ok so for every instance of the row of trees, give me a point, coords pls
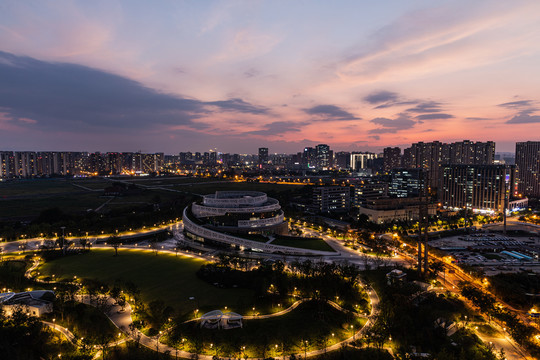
(326, 281)
(521, 332)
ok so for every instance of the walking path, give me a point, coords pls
(68, 334)
(122, 319)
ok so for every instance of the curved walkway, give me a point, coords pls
(64, 331)
(122, 319)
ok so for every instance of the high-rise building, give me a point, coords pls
(263, 156)
(25, 164)
(476, 187)
(342, 159)
(323, 157)
(431, 156)
(212, 158)
(309, 158)
(528, 164)
(474, 153)
(113, 162)
(392, 158)
(7, 164)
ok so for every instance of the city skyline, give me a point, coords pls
(236, 76)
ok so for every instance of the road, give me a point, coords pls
(450, 279)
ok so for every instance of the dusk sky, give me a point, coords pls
(174, 76)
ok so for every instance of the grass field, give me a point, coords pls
(166, 277)
(312, 321)
(305, 243)
(77, 202)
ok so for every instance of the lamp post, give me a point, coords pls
(63, 240)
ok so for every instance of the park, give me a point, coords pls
(168, 291)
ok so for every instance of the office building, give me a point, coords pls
(385, 210)
(407, 182)
(263, 156)
(365, 191)
(476, 187)
(323, 157)
(528, 167)
(329, 199)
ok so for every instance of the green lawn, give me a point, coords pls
(304, 243)
(166, 277)
(313, 321)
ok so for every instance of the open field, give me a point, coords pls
(28, 198)
(304, 243)
(171, 181)
(35, 187)
(166, 277)
(209, 188)
(74, 203)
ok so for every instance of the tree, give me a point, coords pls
(115, 242)
(154, 244)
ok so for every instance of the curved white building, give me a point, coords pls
(239, 219)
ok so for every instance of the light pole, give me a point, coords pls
(63, 240)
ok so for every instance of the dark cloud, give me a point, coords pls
(477, 118)
(397, 103)
(69, 97)
(381, 97)
(426, 107)
(437, 116)
(238, 105)
(387, 99)
(402, 122)
(376, 137)
(524, 117)
(526, 114)
(330, 112)
(517, 104)
(278, 128)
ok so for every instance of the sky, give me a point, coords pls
(171, 76)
